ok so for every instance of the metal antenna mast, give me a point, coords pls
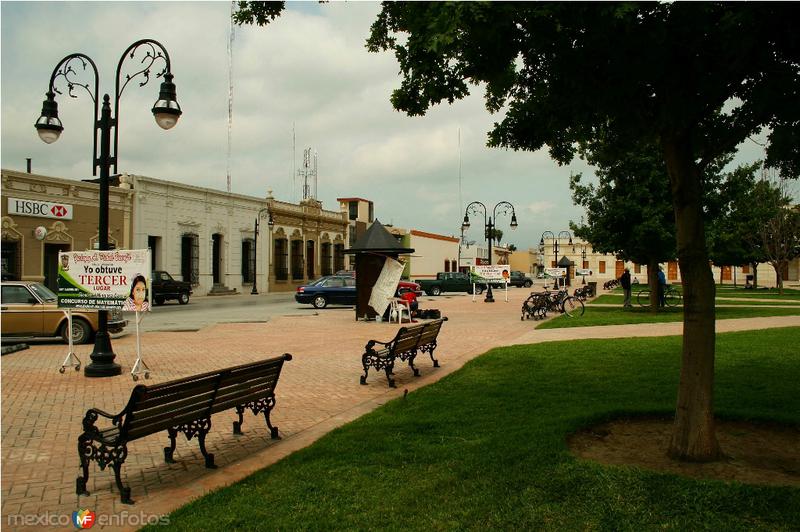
(230, 92)
(308, 171)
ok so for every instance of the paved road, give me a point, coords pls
(203, 311)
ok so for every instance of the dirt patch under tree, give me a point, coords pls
(756, 453)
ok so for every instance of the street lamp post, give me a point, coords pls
(583, 259)
(555, 247)
(270, 223)
(489, 228)
(166, 112)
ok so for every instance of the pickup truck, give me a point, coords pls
(164, 287)
(449, 282)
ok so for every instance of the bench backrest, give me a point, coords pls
(251, 382)
(431, 331)
(158, 407)
(407, 338)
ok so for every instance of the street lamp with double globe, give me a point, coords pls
(506, 207)
(555, 248)
(166, 112)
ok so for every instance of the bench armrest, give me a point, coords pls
(91, 417)
(372, 343)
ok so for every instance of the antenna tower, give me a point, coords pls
(309, 169)
(230, 92)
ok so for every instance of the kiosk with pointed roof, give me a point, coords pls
(371, 251)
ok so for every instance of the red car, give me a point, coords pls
(404, 286)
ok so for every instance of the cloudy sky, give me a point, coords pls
(309, 70)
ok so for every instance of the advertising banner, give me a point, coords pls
(583, 271)
(496, 273)
(104, 280)
(555, 272)
(386, 285)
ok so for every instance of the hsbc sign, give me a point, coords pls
(39, 209)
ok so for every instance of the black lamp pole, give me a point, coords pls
(271, 223)
(489, 228)
(583, 263)
(166, 111)
(555, 248)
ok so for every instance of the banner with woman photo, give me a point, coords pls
(104, 280)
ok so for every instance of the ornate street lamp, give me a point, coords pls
(555, 247)
(489, 228)
(271, 224)
(166, 112)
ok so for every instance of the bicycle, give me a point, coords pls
(538, 304)
(672, 297)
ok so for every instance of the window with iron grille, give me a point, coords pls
(297, 259)
(281, 259)
(248, 260)
(190, 258)
(326, 258)
(338, 257)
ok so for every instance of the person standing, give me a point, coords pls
(625, 282)
(662, 288)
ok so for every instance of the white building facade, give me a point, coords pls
(208, 237)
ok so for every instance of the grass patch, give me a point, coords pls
(598, 316)
(484, 449)
(616, 299)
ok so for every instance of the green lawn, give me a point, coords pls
(484, 449)
(616, 299)
(595, 316)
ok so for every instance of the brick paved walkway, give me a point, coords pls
(42, 410)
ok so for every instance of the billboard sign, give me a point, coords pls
(104, 280)
(496, 273)
(555, 272)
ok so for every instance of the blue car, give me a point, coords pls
(335, 289)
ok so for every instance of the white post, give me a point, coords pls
(139, 367)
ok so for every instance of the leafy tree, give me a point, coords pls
(689, 77)
(497, 235)
(779, 236)
(743, 204)
(629, 212)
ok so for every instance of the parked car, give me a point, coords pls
(449, 282)
(335, 289)
(517, 279)
(405, 286)
(30, 310)
(164, 288)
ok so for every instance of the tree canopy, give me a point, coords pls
(694, 79)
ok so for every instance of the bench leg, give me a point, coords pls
(389, 372)
(414, 368)
(365, 364)
(169, 451)
(85, 453)
(431, 348)
(90, 450)
(273, 431)
(237, 425)
(124, 492)
(201, 438)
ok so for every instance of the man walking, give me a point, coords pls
(625, 282)
(662, 287)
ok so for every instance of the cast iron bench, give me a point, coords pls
(406, 344)
(183, 405)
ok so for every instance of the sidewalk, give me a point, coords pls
(42, 410)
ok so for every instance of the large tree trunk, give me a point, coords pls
(755, 275)
(652, 284)
(694, 434)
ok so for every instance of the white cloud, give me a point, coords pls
(309, 68)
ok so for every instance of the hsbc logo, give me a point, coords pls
(39, 209)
